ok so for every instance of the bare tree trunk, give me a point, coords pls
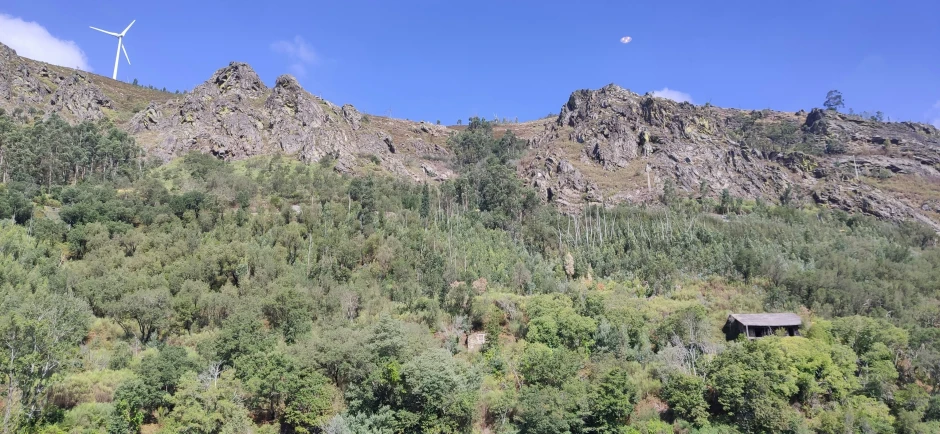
(8, 405)
(309, 249)
(855, 163)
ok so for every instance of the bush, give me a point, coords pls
(88, 418)
(121, 355)
(88, 387)
(835, 148)
(541, 365)
(685, 395)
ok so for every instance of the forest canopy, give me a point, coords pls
(267, 295)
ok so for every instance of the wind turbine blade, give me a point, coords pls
(105, 31)
(125, 54)
(128, 27)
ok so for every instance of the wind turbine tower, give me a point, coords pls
(120, 47)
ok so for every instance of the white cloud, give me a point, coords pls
(299, 53)
(32, 40)
(672, 94)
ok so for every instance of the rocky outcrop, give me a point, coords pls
(559, 182)
(77, 97)
(352, 116)
(39, 89)
(605, 146)
(634, 143)
(614, 128)
(234, 115)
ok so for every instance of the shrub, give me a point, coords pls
(835, 147)
(89, 387)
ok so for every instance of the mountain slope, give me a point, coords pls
(232, 115)
(39, 88)
(603, 142)
(606, 146)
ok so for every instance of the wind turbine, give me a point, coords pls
(120, 47)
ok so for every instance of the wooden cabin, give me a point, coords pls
(758, 325)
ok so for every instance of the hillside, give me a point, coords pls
(600, 146)
(232, 115)
(597, 151)
(39, 88)
(251, 260)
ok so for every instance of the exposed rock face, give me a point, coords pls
(79, 98)
(605, 146)
(234, 115)
(560, 182)
(633, 144)
(352, 116)
(27, 84)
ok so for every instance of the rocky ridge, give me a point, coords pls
(606, 146)
(232, 115)
(604, 143)
(235, 115)
(47, 89)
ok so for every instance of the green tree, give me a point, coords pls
(425, 201)
(685, 395)
(726, 202)
(551, 410)
(542, 365)
(39, 334)
(440, 391)
(149, 310)
(387, 339)
(753, 385)
(669, 192)
(555, 322)
(279, 388)
(133, 400)
(158, 377)
(339, 353)
(289, 312)
(14, 204)
(611, 402)
(858, 414)
(208, 404)
(833, 100)
(241, 334)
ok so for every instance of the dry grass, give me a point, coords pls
(608, 181)
(613, 181)
(913, 189)
(402, 131)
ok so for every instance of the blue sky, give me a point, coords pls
(447, 60)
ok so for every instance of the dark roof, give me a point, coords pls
(767, 319)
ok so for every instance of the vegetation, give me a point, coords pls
(833, 100)
(270, 296)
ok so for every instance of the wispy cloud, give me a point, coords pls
(32, 40)
(672, 94)
(300, 54)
